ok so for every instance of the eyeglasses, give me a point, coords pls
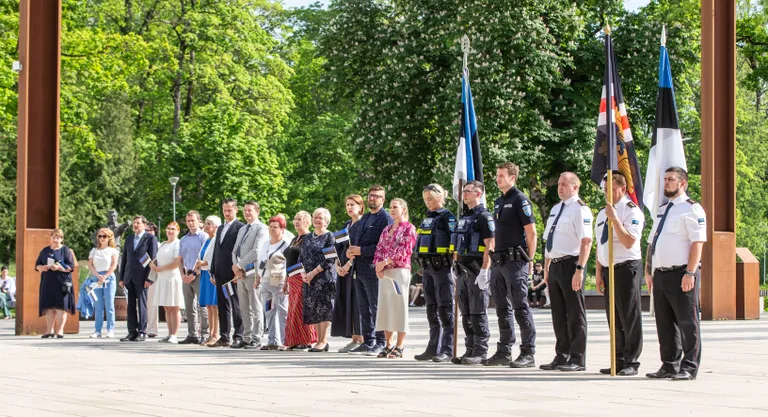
(102, 236)
(431, 187)
(375, 196)
(467, 191)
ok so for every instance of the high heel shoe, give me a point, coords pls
(325, 349)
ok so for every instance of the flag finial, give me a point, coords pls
(664, 35)
(607, 29)
(465, 48)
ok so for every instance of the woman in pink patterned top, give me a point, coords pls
(393, 267)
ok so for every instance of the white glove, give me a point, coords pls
(482, 279)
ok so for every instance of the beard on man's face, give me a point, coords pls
(670, 194)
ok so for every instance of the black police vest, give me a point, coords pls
(433, 240)
(466, 241)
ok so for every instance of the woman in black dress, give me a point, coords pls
(346, 318)
(318, 256)
(57, 298)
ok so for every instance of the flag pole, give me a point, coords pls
(659, 176)
(609, 224)
(465, 48)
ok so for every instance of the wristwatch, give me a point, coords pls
(579, 267)
(690, 273)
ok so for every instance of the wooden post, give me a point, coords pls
(37, 203)
(718, 157)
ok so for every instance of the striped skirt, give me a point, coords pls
(296, 332)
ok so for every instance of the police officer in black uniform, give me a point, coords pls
(432, 250)
(472, 242)
(515, 247)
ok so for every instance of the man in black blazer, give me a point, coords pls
(139, 247)
(221, 269)
(362, 247)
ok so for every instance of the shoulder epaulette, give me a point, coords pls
(487, 215)
(691, 202)
(582, 203)
(632, 204)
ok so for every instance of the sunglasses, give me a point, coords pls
(375, 196)
(431, 188)
(102, 236)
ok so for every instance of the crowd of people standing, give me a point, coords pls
(237, 279)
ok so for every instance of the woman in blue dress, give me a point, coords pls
(207, 286)
(318, 257)
(57, 298)
(346, 318)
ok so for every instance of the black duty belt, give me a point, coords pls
(510, 254)
(563, 259)
(434, 261)
(622, 263)
(671, 268)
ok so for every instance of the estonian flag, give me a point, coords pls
(613, 133)
(227, 290)
(469, 162)
(295, 270)
(330, 252)
(250, 269)
(145, 260)
(92, 294)
(341, 236)
(667, 144)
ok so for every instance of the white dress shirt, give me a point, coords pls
(632, 218)
(223, 230)
(686, 223)
(575, 224)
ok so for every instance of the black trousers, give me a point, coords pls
(677, 321)
(509, 289)
(137, 307)
(473, 303)
(569, 318)
(438, 293)
(629, 316)
(229, 311)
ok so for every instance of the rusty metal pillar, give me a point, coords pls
(37, 204)
(718, 157)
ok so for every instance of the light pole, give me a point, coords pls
(174, 180)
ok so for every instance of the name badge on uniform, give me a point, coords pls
(507, 205)
(427, 223)
(462, 222)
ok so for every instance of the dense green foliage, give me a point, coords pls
(298, 108)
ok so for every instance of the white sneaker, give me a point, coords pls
(173, 339)
(95, 335)
(110, 335)
(349, 346)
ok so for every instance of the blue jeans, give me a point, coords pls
(106, 302)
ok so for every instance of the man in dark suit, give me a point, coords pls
(134, 273)
(222, 271)
(362, 247)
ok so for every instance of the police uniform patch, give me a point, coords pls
(427, 223)
(527, 210)
(452, 223)
(491, 225)
(701, 221)
(587, 221)
(635, 221)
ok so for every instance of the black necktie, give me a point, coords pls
(247, 228)
(550, 240)
(658, 230)
(604, 235)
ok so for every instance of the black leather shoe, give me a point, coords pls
(140, 338)
(190, 340)
(426, 356)
(129, 338)
(523, 361)
(627, 371)
(474, 360)
(552, 366)
(442, 357)
(571, 367)
(239, 344)
(683, 376)
(660, 374)
(498, 359)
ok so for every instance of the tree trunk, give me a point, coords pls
(190, 86)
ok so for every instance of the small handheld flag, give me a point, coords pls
(92, 295)
(397, 288)
(250, 269)
(227, 290)
(330, 253)
(293, 270)
(145, 260)
(341, 236)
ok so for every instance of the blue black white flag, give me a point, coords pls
(330, 252)
(341, 236)
(469, 162)
(145, 260)
(293, 270)
(228, 290)
(250, 269)
(667, 142)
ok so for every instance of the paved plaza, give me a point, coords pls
(78, 376)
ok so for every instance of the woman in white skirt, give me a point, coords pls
(393, 267)
(168, 286)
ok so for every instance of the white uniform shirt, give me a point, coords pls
(574, 224)
(686, 223)
(633, 220)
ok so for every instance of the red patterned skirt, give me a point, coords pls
(296, 332)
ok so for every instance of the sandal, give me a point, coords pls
(385, 352)
(396, 353)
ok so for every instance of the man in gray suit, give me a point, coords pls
(245, 263)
